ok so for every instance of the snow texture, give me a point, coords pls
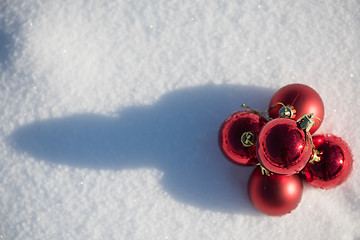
(109, 112)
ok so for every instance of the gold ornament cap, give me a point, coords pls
(306, 122)
(315, 157)
(247, 139)
(286, 112)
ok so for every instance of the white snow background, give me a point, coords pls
(110, 111)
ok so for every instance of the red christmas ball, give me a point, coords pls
(283, 147)
(237, 137)
(275, 194)
(334, 164)
(301, 99)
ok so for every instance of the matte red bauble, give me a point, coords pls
(237, 137)
(334, 164)
(302, 99)
(274, 195)
(283, 147)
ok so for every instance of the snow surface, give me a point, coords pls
(110, 110)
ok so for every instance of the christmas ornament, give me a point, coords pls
(295, 100)
(275, 194)
(284, 146)
(237, 137)
(280, 143)
(332, 163)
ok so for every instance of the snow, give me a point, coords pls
(109, 113)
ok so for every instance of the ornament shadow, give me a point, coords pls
(6, 46)
(177, 135)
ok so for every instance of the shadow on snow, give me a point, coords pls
(177, 135)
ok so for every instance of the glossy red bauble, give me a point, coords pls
(283, 147)
(300, 97)
(230, 137)
(274, 195)
(335, 163)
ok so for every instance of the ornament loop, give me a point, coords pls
(264, 171)
(257, 112)
(317, 122)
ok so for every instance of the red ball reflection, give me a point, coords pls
(302, 98)
(335, 163)
(274, 195)
(283, 147)
(230, 137)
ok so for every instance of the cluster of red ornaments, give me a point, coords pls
(281, 144)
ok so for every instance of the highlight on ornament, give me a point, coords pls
(279, 142)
